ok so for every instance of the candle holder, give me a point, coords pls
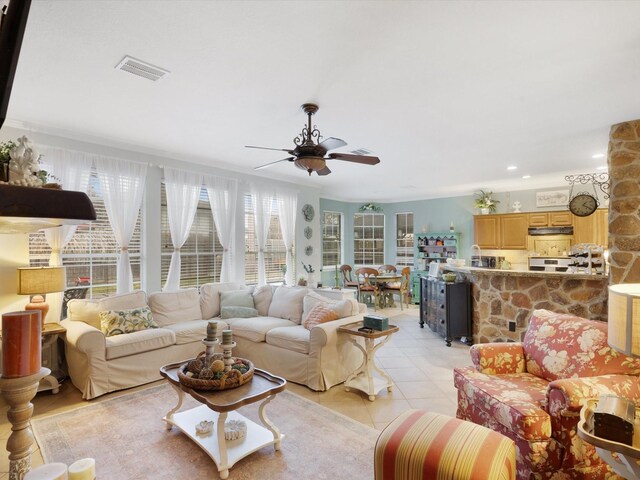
(18, 393)
(226, 352)
(209, 348)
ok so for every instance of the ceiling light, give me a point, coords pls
(601, 167)
(526, 176)
(598, 155)
(512, 167)
(141, 68)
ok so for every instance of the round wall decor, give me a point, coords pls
(308, 251)
(308, 233)
(308, 212)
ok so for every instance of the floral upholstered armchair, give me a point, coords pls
(533, 391)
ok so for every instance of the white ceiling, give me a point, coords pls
(447, 94)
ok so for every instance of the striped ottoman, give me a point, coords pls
(421, 445)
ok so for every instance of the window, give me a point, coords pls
(201, 254)
(92, 253)
(275, 253)
(404, 239)
(331, 239)
(368, 239)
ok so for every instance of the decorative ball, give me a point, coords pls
(206, 374)
(217, 366)
(195, 366)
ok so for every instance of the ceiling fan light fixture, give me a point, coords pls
(310, 164)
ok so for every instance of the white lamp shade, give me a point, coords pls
(624, 318)
(41, 280)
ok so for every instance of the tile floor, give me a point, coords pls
(417, 360)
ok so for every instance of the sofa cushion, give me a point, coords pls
(262, 298)
(514, 400)
(287, 303)
(174, 307)
(236, 298)
(193, 331)
(558, 345)
(255, 329)
(319, 314)
(210, 297)
(295, 338)
(344, 308)
(118, 322)
(87, 311)
(237, 312)
(138, 342)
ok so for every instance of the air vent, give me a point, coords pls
(141, 69)
(361, 151)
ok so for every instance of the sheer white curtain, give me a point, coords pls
(183, 193)
(287, 207)
(263, 204)
(73, 170)
(122, 186)
(223, 193)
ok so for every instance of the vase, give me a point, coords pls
(485, 211)
(311, 280)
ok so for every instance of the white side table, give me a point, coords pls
(50, 358)
(368, 377)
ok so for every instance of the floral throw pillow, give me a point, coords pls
(319, 314)
(117, 322)
(559, 345)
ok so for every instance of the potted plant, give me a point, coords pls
(311, 281)
(5, 158)
(485, 203)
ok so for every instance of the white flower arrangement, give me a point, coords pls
(484, 200)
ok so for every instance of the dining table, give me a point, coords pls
(381, 281)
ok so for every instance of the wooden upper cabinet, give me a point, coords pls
(486, 231)
(592, 229)
(513, 229)
(560, 219)
(538, 219)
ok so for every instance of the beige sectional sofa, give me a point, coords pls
(275, 340)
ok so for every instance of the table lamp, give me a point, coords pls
(38, 281)
(624, 318)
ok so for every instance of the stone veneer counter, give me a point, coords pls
(500, 296)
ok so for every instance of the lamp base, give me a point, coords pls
(38, 303)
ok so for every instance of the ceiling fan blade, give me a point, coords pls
(267, 148)
(332, 142)
(366, 159)
(324, 171)
(290, 159)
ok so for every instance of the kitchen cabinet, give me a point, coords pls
(507, 231)
(550, 219)
(513, 231)
(446, 308)
(416, 275)
(486, 231)
(592, 229)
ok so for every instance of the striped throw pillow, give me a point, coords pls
(319, 314)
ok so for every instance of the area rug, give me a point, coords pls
(128, 440)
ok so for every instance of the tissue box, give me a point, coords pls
(377, 322)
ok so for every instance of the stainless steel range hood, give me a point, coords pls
(27, 209)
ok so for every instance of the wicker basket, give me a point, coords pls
(232, 379)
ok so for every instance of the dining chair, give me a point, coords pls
(347, 280)
(401, 289)
(367, 285)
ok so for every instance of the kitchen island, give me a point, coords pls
(502, 300)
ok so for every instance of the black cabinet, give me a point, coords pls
(446, 308)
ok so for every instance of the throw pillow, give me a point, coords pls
(262, 299)
(117, 322)
(238, 312)
(175, 307)
(87, 311)
(287, 303)
(319, 314)
(344, 308)
(210, 297)
(236, 298)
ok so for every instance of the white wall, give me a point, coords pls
(151, 206)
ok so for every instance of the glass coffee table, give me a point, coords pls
(219, 407)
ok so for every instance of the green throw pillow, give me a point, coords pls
(117, 322)
(238, 312)
(236, 298)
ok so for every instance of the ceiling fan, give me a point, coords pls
(311, 156)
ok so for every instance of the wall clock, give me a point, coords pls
(583, 205)
(308, 233)
(308, 212)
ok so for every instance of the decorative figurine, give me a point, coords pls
(516, 207)
(24, 165)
